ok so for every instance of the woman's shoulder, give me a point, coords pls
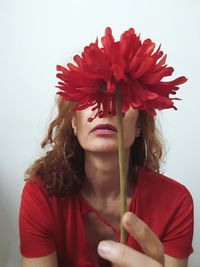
(35, 192)
(160, 196)
(160, 184)
(35, 185)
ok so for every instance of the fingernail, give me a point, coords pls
(129, 219)
(104, 247)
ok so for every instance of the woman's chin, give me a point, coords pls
(103, 149)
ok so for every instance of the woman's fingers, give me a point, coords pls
(124, 256)
(146, 238)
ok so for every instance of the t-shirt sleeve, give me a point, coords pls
(178, 236)
(35, 222)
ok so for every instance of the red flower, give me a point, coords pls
(129, 64)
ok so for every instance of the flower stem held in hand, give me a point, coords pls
(121, 149)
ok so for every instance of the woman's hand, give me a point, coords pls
(123, 256)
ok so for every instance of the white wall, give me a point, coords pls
(36, 35)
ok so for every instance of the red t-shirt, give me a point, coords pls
(51, 223)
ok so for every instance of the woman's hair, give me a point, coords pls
(62, 166)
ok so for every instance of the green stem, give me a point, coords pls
(122, 169)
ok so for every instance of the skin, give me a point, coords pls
(102, 188)
(101, 153)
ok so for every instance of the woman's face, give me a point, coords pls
(100, 135)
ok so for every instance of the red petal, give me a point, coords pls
(118, 72)
(108, 41)
(161, 62)
(146, 65)
(157, 76)
(111, 87)
(129, 44)
(139, 56)
(78, 60)
(96, 63)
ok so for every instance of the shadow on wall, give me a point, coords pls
(8, 226)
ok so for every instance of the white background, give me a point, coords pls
(37, 35)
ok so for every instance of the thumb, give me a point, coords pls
(123, 256)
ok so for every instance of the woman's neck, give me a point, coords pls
(102, 174)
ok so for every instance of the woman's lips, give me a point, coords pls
(104, 129)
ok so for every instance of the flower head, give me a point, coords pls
(129, 64)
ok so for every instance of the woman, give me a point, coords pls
(70, 202)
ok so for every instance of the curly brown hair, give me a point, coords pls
(62, 166)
